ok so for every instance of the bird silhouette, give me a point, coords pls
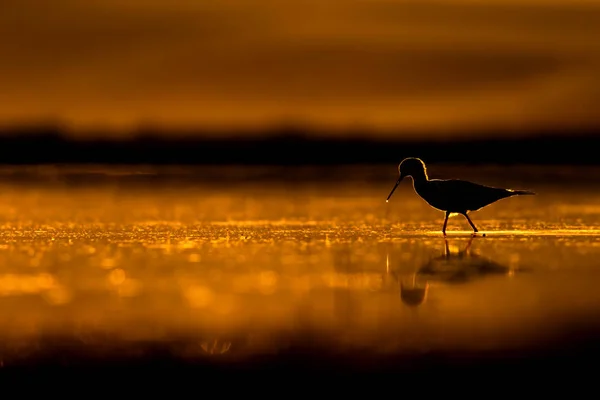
(453, 196)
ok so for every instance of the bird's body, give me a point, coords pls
(458, 196)
(451, 195)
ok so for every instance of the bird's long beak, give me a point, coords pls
(394, 189)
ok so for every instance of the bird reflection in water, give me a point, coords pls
(413, 294)
(448, 268)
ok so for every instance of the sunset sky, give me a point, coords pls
(389, 65)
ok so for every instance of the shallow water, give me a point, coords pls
(119, 257)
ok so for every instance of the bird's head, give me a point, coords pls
(413, 167)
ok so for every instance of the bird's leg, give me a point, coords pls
(468, 246)
(447, 249)
(445, 223)
(465, 251)
(471, 223)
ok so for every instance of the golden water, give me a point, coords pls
(249, 267)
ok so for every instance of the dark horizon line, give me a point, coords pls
(308, 132)
(291, 147)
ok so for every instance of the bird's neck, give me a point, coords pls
(420, 177)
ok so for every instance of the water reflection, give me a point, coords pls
(415, 294)
(216, 346)
(450, 268)
(209, 346)
(219, 274)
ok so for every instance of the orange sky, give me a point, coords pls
(416, 65)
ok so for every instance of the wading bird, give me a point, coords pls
(453, 196)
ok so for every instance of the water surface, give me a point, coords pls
(119, 261)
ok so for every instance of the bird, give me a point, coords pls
(452, 196)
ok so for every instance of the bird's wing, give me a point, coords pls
(469, 187)
(460, 187)
(468, 195)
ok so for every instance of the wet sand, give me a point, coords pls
(179, 270)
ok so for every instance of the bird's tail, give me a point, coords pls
(522, 192)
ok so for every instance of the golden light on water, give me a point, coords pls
(222, 264)
(243, 277)
(12, 284)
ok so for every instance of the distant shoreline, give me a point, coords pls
(31, 146)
